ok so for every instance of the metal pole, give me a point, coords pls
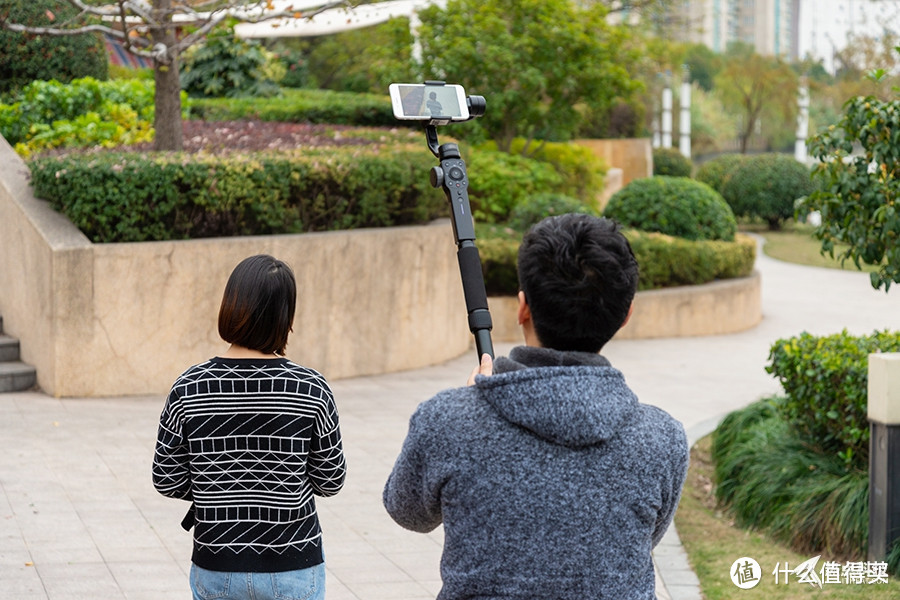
(884, 453)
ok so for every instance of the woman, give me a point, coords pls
(249, 437)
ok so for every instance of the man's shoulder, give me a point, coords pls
(657, 425)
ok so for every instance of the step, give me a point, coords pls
(9, 348)
(16, 377)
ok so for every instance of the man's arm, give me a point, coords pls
(409, 497)
(671, 487)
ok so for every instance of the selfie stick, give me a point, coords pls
(452, 178)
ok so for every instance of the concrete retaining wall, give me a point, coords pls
(122, 319)
(721, 307)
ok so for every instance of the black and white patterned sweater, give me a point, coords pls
(249, 442)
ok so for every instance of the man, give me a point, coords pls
(550, 478)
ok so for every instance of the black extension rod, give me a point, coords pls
(452, 178)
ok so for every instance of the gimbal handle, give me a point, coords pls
(451, 176)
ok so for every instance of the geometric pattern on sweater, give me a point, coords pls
(250, 442)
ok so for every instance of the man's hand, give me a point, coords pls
(485, 368)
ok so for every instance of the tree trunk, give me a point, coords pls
(167, 99)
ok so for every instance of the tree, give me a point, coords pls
(752, 85)
(160, 30)
(24, 59)
(859, 186)
(536, 61)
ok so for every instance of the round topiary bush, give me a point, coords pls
(671, 162)
(676, 206)
(766, 186)
(714, 172)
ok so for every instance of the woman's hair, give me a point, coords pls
(579, 276)
(257, 309)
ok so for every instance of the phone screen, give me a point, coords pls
(424, 102)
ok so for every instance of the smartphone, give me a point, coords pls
(429, 102)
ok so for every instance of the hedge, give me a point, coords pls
(826, 381)
(302, 106)
(663, 261)
(118, 197)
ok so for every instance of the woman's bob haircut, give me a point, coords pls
(257, 309)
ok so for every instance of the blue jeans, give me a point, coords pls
(303, 584)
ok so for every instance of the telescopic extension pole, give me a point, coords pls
(452, 178)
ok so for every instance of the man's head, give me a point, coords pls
(579, 276)
(257, 310)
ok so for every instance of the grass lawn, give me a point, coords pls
(713, 544)
(795, 243)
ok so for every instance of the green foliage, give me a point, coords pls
(761, 89)
(583, 172)
(666, 261)
(767, 186)
(26, 57)
(676, 206)
(538, 62)
(716, 171)
(498, 182)
(703, 65)
(531, 210)
(498, 264)
(83, 113)
(826, 380)
(226, 66)
(671, 162)
(776, 482)
(859, 190)
(301, 106)
(134, 197)
(365, 60)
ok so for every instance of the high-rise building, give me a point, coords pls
(771, 26)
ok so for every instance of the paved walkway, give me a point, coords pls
(80, 519)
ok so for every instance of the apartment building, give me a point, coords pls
(771, 26)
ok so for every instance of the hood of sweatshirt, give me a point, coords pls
(574, 399)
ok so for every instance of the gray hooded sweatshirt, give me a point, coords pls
(550, 478)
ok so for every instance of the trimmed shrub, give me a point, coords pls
(714, 172)
(676, 206)
(302, 106)
(25, 57)
(226, 66)
(666, 261)
(583, 172)
(663, 261)
(775, 481)
(531, 210)
(498, 182)
(671, 162)
(498, 265)
(135, 197)
(766, 186)
(826, 380)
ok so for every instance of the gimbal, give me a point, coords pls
(451, 176)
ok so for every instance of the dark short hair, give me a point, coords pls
(257, 309)
(579, 276)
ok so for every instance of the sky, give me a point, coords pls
(824, 24)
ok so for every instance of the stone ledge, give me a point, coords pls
(717, 308)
